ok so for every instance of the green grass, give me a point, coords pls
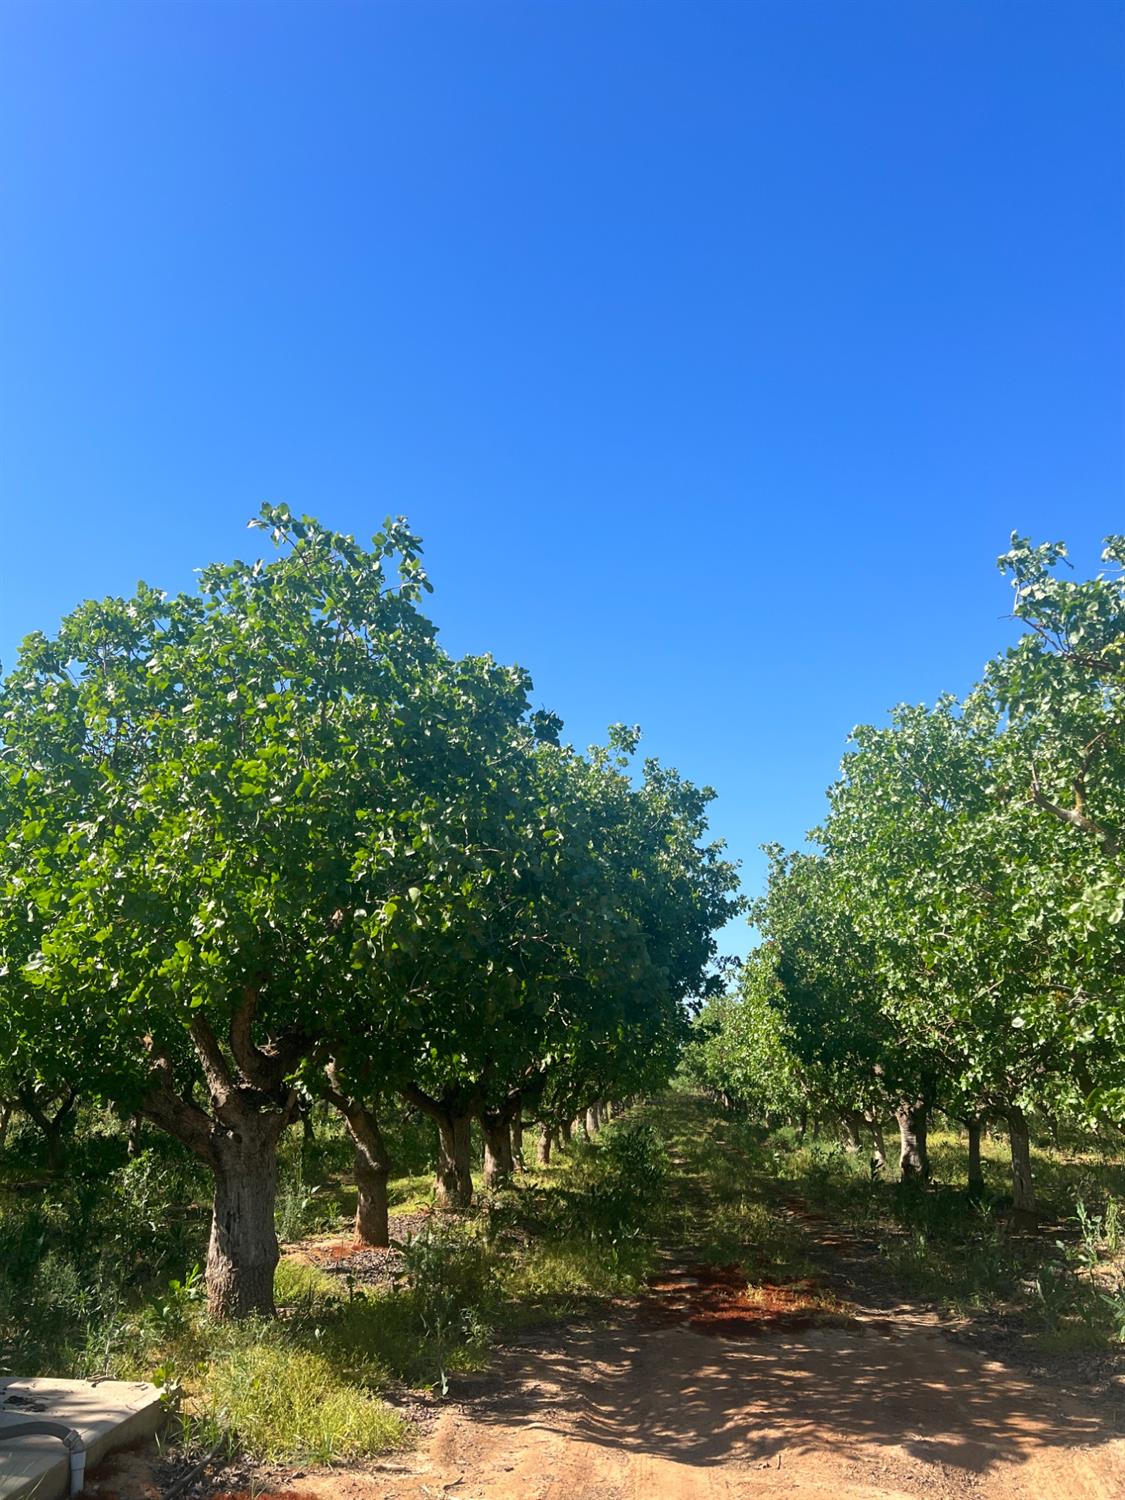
(1054, 1285)
(286, 1404)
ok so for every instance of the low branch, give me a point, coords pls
(220, 1080)
(190, 1125)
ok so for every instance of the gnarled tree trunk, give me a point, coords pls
(372, 1163)
(250, 1106)
(453, 1183)
(914, 1158)
(546, 1141)
(243, 1252)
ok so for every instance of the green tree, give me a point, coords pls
(216, 810)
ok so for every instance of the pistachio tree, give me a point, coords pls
(217, 806)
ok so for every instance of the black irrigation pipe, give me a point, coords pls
(184, 1483)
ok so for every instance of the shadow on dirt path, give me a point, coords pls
(860, 1412)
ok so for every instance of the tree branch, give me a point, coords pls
(1074, 816)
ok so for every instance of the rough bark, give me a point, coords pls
(453, 1181)
(914, 1158)
(250, 1106)
(454, 1169)
(243, 1253)
(592, 1121)
(372, 1207)
(1023, 1187)
(546, 1141)
(565, 1134)
(496, 1127)
(372, 1163)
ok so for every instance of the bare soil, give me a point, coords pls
(872, 1411)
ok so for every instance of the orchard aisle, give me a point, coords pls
(874, 1411)
(709, 1387)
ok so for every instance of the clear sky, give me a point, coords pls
(714, 349)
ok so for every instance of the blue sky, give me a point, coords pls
(714, 349)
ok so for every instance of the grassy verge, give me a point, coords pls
(1062, 1285)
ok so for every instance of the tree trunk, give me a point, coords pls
(372, 1207)
(802, 1125)
(496, 1127)
(592, 1121)
(546, 1140)
(565, 1134)
(454, 1184)
(1023, 1188)
(914, 1159)
(372, 1173)
(51, 1126)
(5, 1119)
(517, 1142)
(976, 1175)
(243, 1252)
(879, 1145)
(852, 1121)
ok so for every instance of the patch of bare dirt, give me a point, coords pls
(714, 1389)
(343, 1256)
(718, 1299)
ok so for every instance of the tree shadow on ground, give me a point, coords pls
(678, 1394)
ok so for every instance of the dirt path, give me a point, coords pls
(645, 1409)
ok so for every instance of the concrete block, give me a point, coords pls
(108, 1413)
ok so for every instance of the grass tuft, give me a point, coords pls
(285, 1404)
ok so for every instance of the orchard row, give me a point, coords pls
(268, 842)
(956, 939)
